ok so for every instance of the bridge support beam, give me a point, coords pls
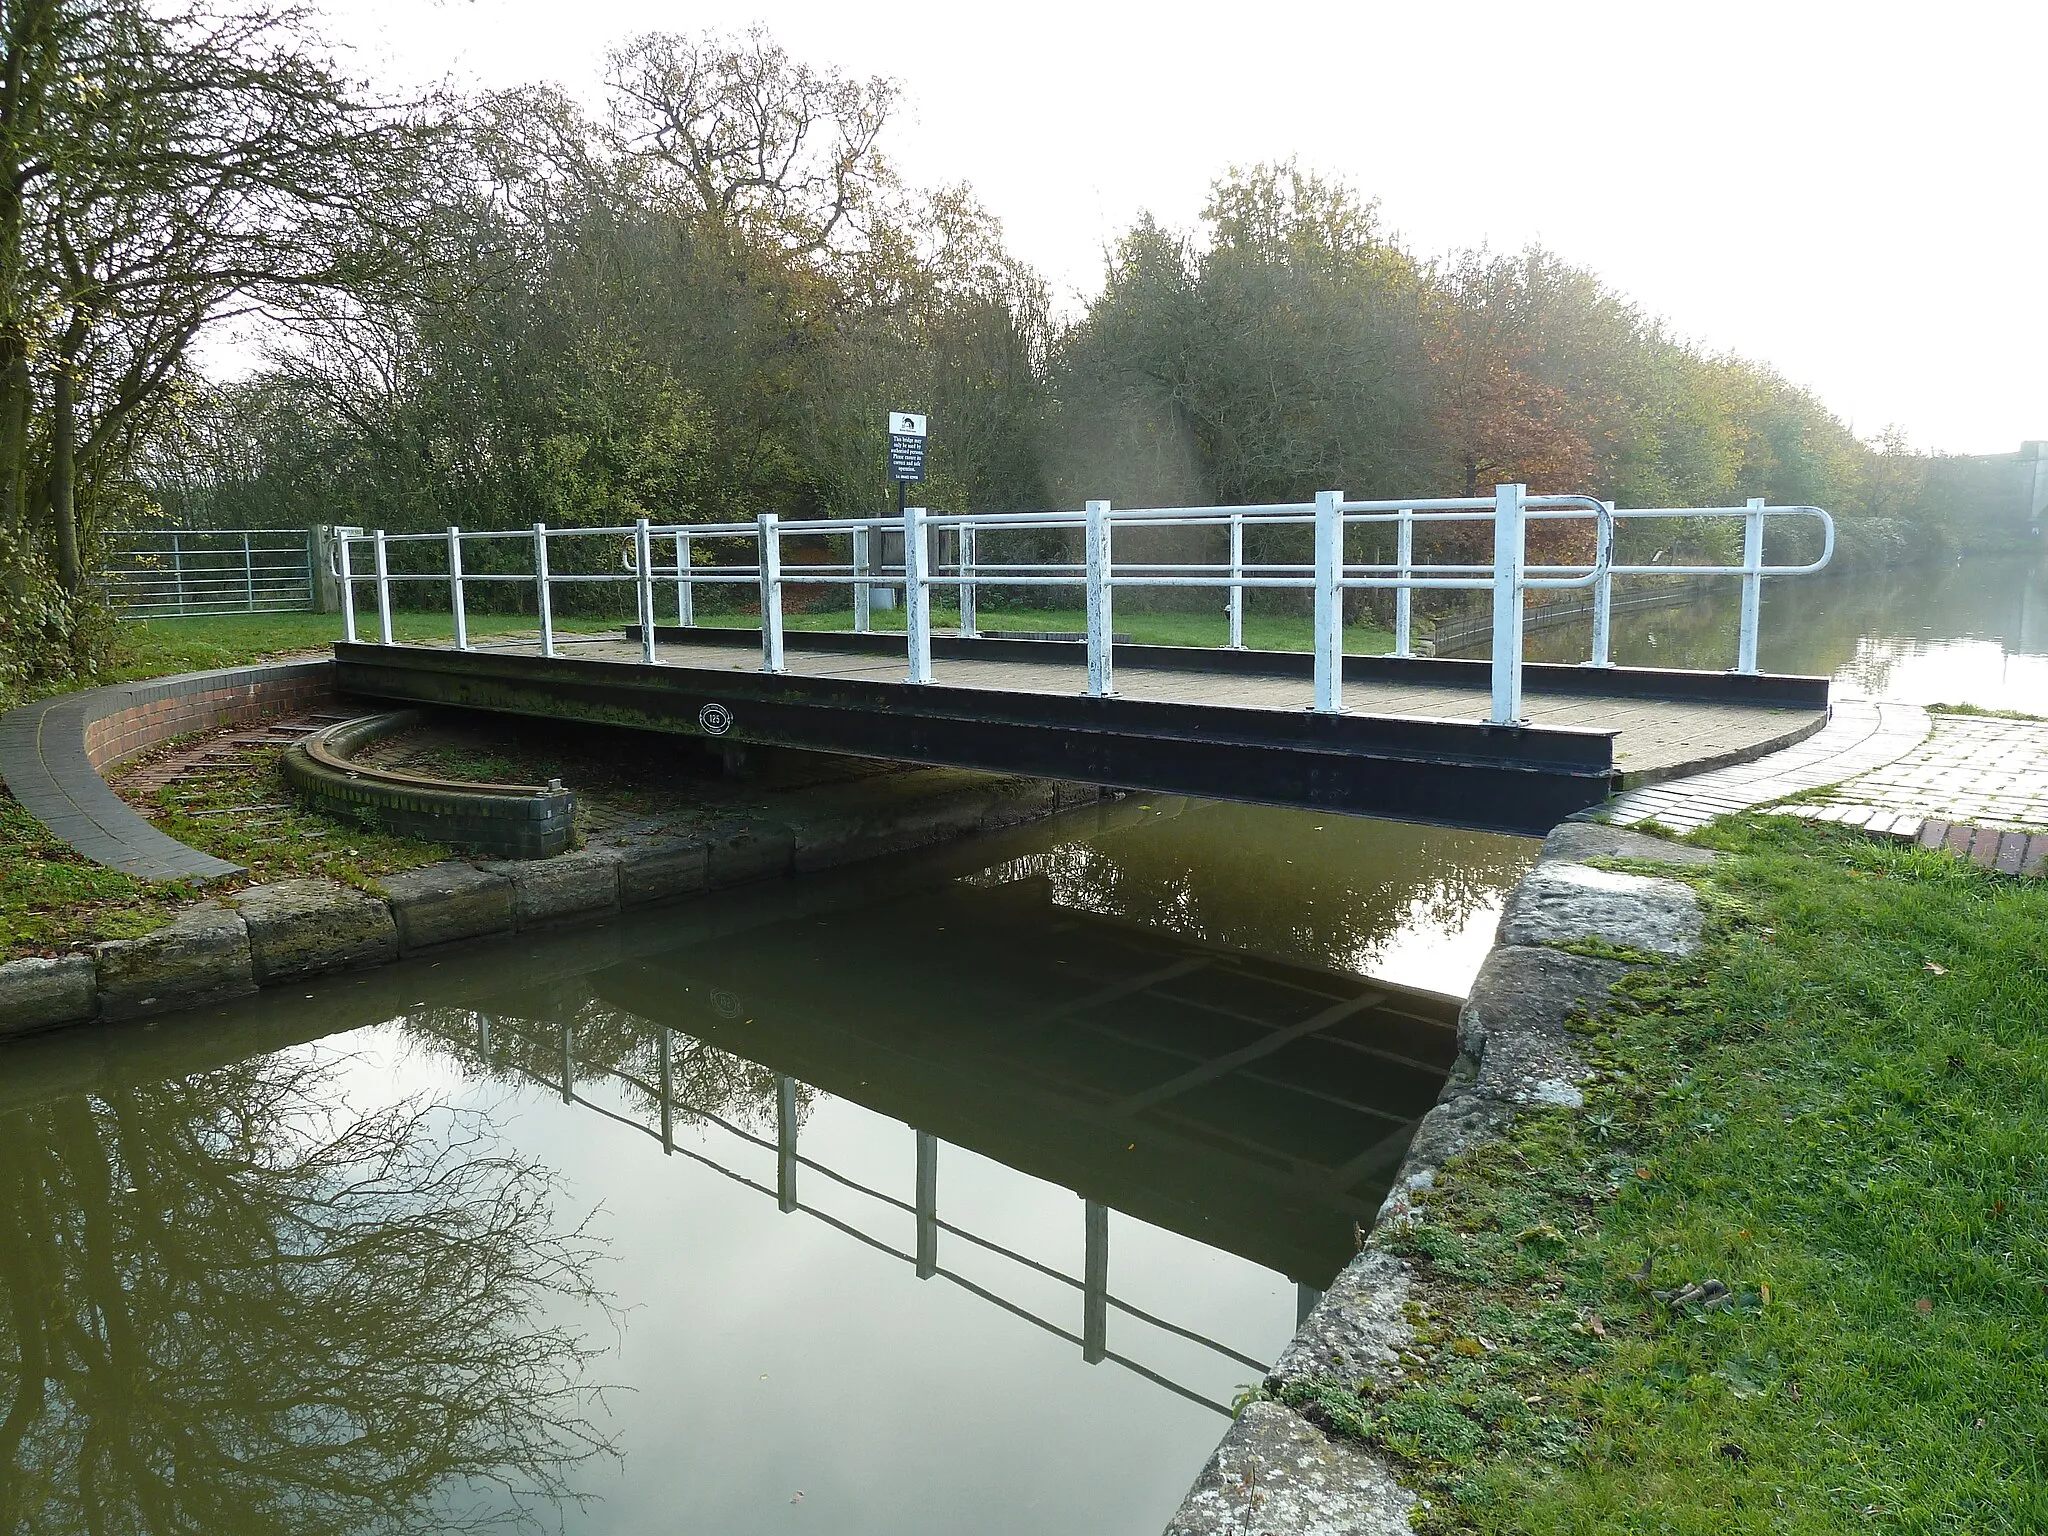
(1101, 608)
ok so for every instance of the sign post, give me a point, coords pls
(907, 438)
(906, 451)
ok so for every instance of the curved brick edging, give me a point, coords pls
(508, 821)
(52, 753)
(1276, 1472)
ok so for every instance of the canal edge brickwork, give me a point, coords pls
(1276, 1472)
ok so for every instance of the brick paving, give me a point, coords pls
(1861, 736)
(1975, 785)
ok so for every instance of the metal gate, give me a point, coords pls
(164, 572)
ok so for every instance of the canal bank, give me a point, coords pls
(271, 933)
(1728, 1217)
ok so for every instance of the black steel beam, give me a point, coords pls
(1453, 773)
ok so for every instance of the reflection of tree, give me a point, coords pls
(1329, 890)
(228, 1306)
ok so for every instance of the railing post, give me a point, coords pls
(348, 585)
(383, 592)
(668, 1092)
(1507, 604)
(917, 595)
(248, 574)
(1101, 608)
(785, 1143)
(927, 1205)
(1094, 1281)
(769, 538)
(686, 595)
(643, 556)
(1752, 584)
(543, 598)
(1404, 596)
(178, 572)
(861, 594)
(1329, 615)
(969, 622)
(455, 589)
(1603, 593)
(1236, 606)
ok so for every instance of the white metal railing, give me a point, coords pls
(646, 561)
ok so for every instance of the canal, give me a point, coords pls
(960, 1193)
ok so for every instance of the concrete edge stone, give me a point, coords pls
(1275, 1472)
(38, 994)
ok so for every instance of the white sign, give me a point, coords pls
(906, 424)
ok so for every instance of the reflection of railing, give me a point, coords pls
(1093, 1284)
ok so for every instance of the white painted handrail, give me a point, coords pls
(1328, 575)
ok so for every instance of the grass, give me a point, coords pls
(1980, 712)
(1840, 1112)
(1262, 632)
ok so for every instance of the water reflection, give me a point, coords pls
(1094, 1106)
(236, 1306)
(1969, 633)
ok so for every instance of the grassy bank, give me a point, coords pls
(1840, 1112)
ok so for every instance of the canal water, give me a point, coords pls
(957, 1194)
(1971, 632)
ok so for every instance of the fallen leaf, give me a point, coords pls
(1924, 1305)
(1939, 970)
(1597, 1328)
(1764, 1291)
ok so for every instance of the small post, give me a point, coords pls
(568, 1064)
(542, 596)
(969, 622)
(348, 584)
(455, 589)
(248, 574)
(1305, 1298)
(1507, 604)
(917, 595)
(1101, 618)
(668, 1091)
(643, 555)
(178, 572)
(927, 1205)
(1329, 615)
(686, 595)
(383, 592)
(1404, 596)
(1095, 1282)
(1236, 606)
(861, 595)
(768, 538)
(1603, 594)
(785, 1143)
(1752, 585)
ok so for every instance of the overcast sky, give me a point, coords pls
(1853, 193)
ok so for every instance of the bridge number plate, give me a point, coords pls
(906, 445)
(714, 719)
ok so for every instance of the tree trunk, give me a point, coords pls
(64, 475)
(14, 405)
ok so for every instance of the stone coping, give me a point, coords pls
(271, 934)
(52, 753)
(1277, 1473)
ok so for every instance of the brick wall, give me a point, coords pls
(148, 714)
